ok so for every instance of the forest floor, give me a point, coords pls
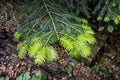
(105, 65)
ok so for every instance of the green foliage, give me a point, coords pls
(4, 78)
(101, 28)
(47, 22)
(110, 28)
(117, 59)
(99, 68)
(109, 75)
(37, 76)
(116, 73)
(67, 68)
(108, 10)
(24, 77)
(77, 6)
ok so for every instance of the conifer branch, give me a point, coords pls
(51, 19)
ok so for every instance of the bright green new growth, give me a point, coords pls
(47, 22)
